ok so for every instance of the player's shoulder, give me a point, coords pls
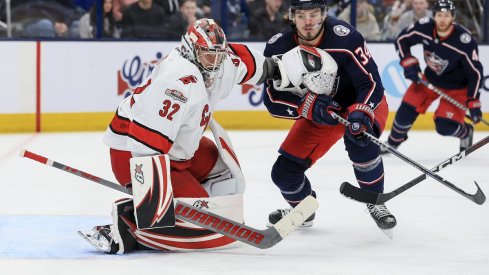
(176, 74)
(340, 34)
(280, 42)
(424, 25)
(462, 36)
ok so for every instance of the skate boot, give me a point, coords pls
(467, 141)
(383, 218)
(278, 214)
(101, 238)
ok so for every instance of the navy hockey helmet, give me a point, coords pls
(307, 4)
(444, 5)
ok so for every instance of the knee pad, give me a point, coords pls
(446, 127)
(287, 173)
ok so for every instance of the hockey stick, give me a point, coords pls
(360, 195)
(448, 98)
(235, 230)
(478, 197)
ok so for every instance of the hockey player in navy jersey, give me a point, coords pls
(357, 94)
(453, 66)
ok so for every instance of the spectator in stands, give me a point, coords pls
(40, 18)
(170, 6)
(366, 23)
(237, 15)
(204, 8)
(88, 22)
(267, 20)
(419, 10)
(179, 22)
(144, 19)
(119, 6)
(86, 5)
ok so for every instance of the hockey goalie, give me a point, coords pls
(157, 147)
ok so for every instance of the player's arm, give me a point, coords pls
(407, 38)
(473, 68)
(358, 63)
(158, 112)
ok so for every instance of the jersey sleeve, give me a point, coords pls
(409, 37)
(280, 104)
(358, 63)
(158, 111)
(249, 64)
(473, 68)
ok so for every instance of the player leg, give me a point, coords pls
(416, 100)
(449, 119)
(369, 168)
(305, 143)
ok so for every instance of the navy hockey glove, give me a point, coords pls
(360, 117)
(474, 106)
(411, 68)
(317, 107)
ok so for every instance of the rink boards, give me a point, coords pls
(76, 85)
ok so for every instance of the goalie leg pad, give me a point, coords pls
(122, 214)
(152, 192)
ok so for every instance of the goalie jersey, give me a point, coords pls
(358, 77)
(169, 112)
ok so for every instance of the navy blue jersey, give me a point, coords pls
(452, 62)
(359, 79)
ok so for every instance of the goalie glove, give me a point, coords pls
(304, 69)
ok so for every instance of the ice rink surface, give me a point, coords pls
(438, 231)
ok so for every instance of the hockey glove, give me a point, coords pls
(317, 107)
(411, 68)
(474, 106)
(360, 117)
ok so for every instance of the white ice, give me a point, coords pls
(438, 231)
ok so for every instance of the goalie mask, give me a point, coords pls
(205, 45)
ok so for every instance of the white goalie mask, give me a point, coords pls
(312, 67)
(205, 45)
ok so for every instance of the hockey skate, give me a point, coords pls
(467, 141)
(383, 218)
(101, 238)
(278, 214)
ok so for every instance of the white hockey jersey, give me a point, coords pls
(169, 112)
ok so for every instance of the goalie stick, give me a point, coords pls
(478, 197)
(360, 195)
(235, 230)
(448, 98)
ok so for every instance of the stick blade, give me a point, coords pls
(296, 216)
(357, 194)
(479, 196)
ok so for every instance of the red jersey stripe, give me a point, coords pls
(150, 137)
(120, 125)
(248, 59)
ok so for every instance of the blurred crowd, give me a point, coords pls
(377, 20)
